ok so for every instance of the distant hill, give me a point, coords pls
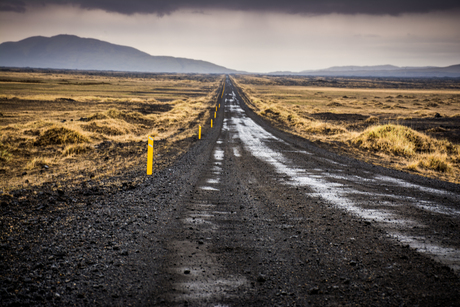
(380, 71)
(73, 52)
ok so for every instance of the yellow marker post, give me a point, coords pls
(199, 132)
(150, 156)
(211, 123)
(215, 113)
(219, 105)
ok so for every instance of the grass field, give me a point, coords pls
(74, 126)
(411, 125)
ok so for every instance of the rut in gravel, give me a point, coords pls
(196, 270)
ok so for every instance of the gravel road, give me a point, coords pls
(249, 216)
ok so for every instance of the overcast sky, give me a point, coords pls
(256, 36)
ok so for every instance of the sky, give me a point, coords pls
(255, 36)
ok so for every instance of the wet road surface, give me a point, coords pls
(274, 220)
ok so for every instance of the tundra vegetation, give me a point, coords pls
(406, 124)
(64, 126)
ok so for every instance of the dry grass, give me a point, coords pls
(401, 140)
(38, 162)
(424, 151)
(73, 150)
(92, 126)
(5, 156)
(363, 119)
(436, 162)
(60, 135)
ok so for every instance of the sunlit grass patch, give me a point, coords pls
(401, 140)
(76, 149)
(109, 127)
(60, 135)
(38, 162)
(324, 128)
(436, 162)
(5, 156)
(372, 119)
(116, 114)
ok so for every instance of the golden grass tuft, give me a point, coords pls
(5, 156)
(372, 119)
(60, 135)
(401, 140)
(116, 114)
(107, 127)
(270, 112)
(334, 104)
(97, 116)
(37, 162)
(79, 149)
(436, 162)
(324, 128)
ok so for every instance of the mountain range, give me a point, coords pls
(380, 71)
(73, 52)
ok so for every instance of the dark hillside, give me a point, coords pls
(73, 52)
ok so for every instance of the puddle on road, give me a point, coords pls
(200, 276)
(445, 255)
(191, 220)
(198, 290)
(221, 212)
(437, 208)
(206, 205)
(218, 154)
(206, 188)
(402, 183)
(236, 152)
(202, 215)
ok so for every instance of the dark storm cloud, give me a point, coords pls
(161, 7)
(12, 6)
